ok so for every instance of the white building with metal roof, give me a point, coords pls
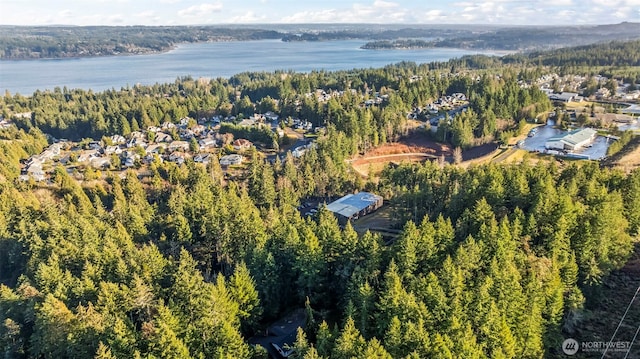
(572, 140)
(353, 206)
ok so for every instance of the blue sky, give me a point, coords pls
(192, 12)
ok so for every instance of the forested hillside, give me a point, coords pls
(183, 266)
(616, 53)
(36, 42)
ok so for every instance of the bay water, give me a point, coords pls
(208, 60)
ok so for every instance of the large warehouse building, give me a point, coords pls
(572, 140)
(354, 206)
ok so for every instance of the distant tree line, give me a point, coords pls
(32, 42)
(20, 42)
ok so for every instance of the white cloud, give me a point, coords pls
(617, 3)
(557, 2)
(435, 15)
(374, 12)
(249, 17)
(311, 16)
(200, 10)
(384, 4)
(65, 13)
(148, 16)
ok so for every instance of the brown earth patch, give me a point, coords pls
(414, 143)
(417, 147)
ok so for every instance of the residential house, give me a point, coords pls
(118, 140)
(242, 144)
(137, 134)
(184, 122)
(156, 149)
(187, 134)
(88, 155)
(101, 162)
(35, 172)
(177, 157)
(109, 150)
(207, 143)
(271, 116)
(204, 158)
(130, 158)
(136, 141)
(603, 93)
(163, 137)
(178, 146)
(299, 151)
(198, 130)
(150, 158)
(230, 160)
(304, 125)
(248, 122)
(95, 145)
(168, 125)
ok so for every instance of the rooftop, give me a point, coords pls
(351, 204)
(576, 136)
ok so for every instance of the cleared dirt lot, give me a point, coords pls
(417, 147)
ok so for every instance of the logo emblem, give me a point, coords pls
(570, 346)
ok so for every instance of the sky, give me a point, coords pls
(216, 12)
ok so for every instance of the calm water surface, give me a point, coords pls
(212, 60)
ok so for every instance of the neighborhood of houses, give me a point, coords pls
(188, 139)
(437, 110)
